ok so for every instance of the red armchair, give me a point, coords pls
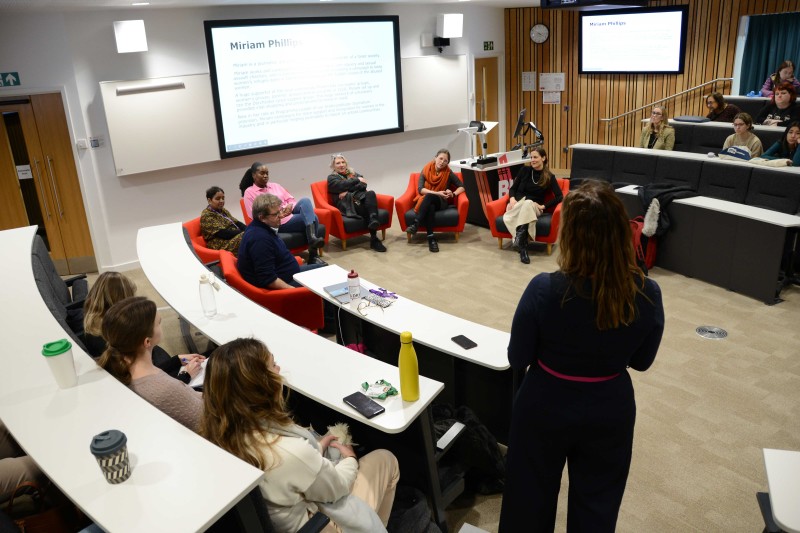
(296, 242)
(206, 255)
(496, 208)
(448, 220)
(343, 227)
(300, 306)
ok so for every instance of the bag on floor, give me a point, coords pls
(643, 246)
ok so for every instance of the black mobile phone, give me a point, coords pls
(464, 342)
(364, 404)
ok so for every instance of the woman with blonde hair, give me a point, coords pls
(577, 331)
(245, 413)
(132, 328)
(657, 134)
(108, 289)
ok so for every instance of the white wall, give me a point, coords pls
(72, 52)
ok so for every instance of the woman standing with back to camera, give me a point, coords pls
(578, 330)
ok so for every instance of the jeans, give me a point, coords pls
(297, 224)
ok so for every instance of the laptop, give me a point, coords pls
(341, 293)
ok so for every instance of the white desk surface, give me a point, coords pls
(311, 365)
(427, 325)
(783, 477)
(180, 481)
(458, 167)
(733, 208)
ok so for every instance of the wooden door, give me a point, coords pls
(486, 102)
(13, 214)
(23, 142)
(62, 177)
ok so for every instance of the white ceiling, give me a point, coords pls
(78, 5)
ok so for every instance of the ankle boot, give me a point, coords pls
(522, 230)
(311, 237)
(523, 249)
(314, 258)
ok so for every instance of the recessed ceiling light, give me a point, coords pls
(140, 4)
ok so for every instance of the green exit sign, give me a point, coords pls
(488, 45)
(9, 79)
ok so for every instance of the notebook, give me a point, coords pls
(340, 292)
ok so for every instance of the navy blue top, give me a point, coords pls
(263, 257)
(566, 339)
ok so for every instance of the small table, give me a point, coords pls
(783, 477)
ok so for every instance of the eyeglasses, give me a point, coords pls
(739, 124)
(270, 215)
(710, 103)
(334, 156)
(656, 113)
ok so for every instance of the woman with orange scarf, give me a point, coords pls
(438, 186)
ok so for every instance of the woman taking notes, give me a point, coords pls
(526, 200)
(577, 331)
(657, 133)
(245, 414)
(132, 328)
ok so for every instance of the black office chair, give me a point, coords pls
(253, 510)
(64, 297)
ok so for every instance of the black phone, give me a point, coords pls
(364, 404)
(464, 342)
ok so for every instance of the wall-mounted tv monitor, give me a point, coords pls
(283, 83)
(633, 41)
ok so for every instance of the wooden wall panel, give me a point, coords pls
(710, 50)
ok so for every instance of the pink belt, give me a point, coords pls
(583, 379)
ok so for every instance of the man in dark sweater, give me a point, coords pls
(264, 260)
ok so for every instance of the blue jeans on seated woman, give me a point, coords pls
(304, 216)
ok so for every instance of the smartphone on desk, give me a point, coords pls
(364, 404)
(464, 342)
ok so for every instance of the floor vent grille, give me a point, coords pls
(711, 332)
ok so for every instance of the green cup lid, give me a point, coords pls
(56, 348)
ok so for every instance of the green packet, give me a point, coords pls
(379, 390)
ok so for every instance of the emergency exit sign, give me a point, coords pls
(9, 79)
(488, 45)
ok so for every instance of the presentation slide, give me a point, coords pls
(284, 83)
(632, 42)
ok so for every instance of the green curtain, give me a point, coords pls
(771, 39)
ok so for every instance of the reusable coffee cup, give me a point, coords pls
(111, 451)
(59, 358)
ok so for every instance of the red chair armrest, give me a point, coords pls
(494, 209)
(462, 204)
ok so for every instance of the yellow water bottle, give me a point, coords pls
(409, 369)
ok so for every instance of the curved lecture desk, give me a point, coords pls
(313, 366)
(180, 481)
(480, 377)
(783, 476)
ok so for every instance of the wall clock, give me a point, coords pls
(539, 33)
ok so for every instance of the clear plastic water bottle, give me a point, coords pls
(207, 298)
(354, 286)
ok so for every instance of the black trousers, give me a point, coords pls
(427, 210)
(588, 425)
(368, 206)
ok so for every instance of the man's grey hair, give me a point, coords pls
(263, 204)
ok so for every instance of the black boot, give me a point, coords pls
(311, 237)
(523, 247)
(375, 242)
(374, 223)
(412, 228)
(314, 258)
(522, 230)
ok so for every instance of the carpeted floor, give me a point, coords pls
(706, 408)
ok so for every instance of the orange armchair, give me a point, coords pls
(447, 220)
(206, 255)
(546, 226)
(296, 242)
(300, 306)
(343, 227)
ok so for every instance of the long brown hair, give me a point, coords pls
(544, 180)
(596, 245)
(108, 289)
(242, 397)
(125, 327)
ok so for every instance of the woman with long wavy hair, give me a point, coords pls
(577, 330)
(246, 414)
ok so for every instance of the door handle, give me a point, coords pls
(41, 186)
(55, 187)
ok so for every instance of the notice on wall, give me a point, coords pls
(529, 81)
(551, 81)
(24, 172)
(551, 97)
